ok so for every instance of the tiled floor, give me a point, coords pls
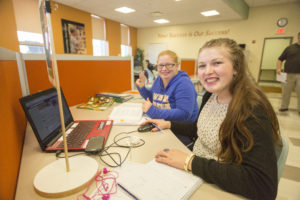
(289, 185)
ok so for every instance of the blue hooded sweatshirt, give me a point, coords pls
(176, 102)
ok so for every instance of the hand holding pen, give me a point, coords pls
(159, 124)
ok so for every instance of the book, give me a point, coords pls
(120, 98)
(157, 181)
(127, 114)
(97, 103)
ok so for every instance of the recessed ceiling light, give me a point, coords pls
(125, 10)
(210, 13)
(161, 21)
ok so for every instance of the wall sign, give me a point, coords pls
(193, 34)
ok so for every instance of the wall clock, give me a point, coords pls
(282, 22)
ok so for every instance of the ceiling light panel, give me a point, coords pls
(210, 13)
(161, 21)
(125, 10)
(95, 16)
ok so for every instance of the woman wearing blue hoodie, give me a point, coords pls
(172, 95)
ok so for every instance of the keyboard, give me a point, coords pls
(79, 134)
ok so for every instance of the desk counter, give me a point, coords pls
(33, 159)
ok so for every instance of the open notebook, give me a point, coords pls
(127, 114)
(157, 181)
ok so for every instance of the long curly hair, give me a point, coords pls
(234, 136)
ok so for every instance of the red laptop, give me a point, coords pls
(42, 112)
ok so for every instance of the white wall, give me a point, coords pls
(186, 40)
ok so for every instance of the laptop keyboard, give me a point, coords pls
(79, 134)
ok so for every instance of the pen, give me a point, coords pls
(127, 191)
(155, 125)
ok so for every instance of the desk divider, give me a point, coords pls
(188, 65)
(81, 76)
(13, 123)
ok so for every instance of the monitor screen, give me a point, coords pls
(42, 112)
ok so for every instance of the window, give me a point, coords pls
(125, 41)
(126, 50)
(31, 42)
(100, 47)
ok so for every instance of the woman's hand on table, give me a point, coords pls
(172, 157)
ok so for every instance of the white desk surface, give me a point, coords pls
(33, 159)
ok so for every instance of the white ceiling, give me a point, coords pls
(177, 12)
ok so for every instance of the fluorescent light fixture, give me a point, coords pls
(125, 10)
(95, 16)
(161, 21)
(210, 13)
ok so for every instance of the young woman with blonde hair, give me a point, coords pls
(172, 95)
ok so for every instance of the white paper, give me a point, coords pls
(158, 181)
(281, 77)
(127, 114)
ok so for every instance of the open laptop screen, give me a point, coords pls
(42, 112)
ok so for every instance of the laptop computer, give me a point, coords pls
(42, 112)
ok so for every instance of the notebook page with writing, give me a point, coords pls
(158, 181)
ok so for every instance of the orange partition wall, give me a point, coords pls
(188, 66)
(80, 79)
(13, 125)
(8, 33)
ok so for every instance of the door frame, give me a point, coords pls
(262, 53)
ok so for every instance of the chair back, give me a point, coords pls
(282, 156)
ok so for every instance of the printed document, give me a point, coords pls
(281, 77)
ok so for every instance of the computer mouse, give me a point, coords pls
(146, 127)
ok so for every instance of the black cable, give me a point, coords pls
(105, 152)
(118, 162)
(58, 152)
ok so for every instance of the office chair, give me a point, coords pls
(282, 156)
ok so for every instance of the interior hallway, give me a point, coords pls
(289, 185)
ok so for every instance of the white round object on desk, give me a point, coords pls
(54, 181)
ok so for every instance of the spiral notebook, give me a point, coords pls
(157, 181)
